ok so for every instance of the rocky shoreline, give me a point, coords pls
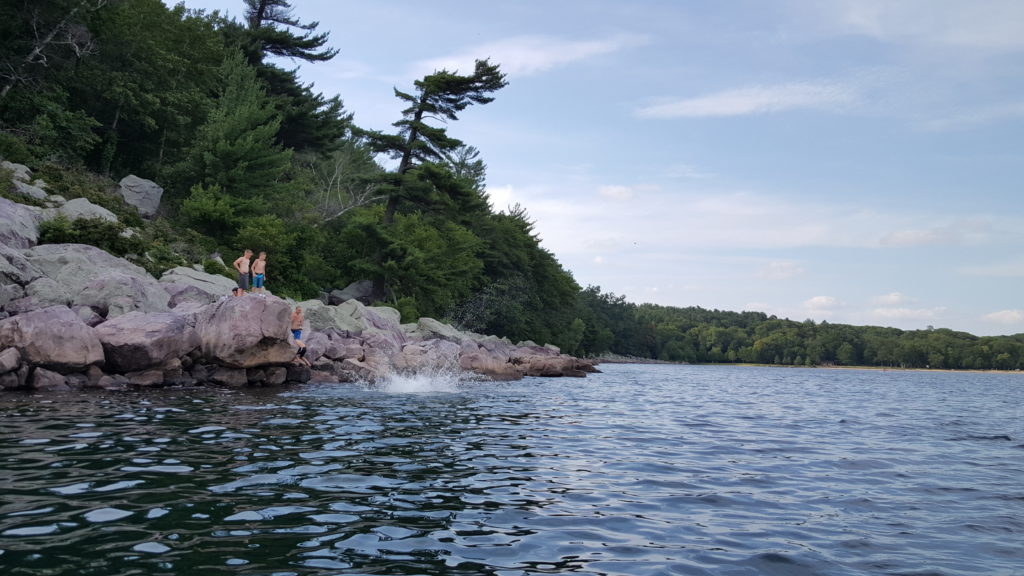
(73, 316)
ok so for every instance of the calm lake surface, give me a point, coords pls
(638, 470)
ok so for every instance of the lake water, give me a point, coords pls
(638, 470)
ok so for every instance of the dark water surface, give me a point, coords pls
(639, 470)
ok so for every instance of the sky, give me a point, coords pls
(849, 161)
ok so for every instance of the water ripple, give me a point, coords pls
(639, 470)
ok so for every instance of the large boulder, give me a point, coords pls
(81, 208)
(137, 341)
(207, 287)
(74, 265)
(118, 293)
(492, 362)
(143, 194)
(19, 224)
(53, 338)
(433, 356)
(246, 331)
(322, 317)
(361, 291)
(108, 284)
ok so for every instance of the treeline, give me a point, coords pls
(250, 157)
(698, 335)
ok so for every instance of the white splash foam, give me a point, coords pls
(421, 382)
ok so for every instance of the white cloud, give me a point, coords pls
(1006, 317)
(821, 303)
(988, 24)
(756, 100)
(618, 193)
(526, 55)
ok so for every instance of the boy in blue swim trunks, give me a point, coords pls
(259, 272)
(297, 320)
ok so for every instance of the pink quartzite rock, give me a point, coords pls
(137, 341)
(246, 332)
(54, 338)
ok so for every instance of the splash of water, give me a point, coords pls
(445, 376)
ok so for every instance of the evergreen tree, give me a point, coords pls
(423, 179)
(309, 120)
(236, 159)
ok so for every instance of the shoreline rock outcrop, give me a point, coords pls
(74, 316)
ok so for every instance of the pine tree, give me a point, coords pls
(439, 96)
(309, 120)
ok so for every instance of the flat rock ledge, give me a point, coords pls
(75, 317)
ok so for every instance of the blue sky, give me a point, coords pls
(855, 161)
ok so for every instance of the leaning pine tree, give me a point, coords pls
(423, 180)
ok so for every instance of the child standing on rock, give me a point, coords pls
(259, 273)
(242, 266)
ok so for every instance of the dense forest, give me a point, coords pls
(250, 157)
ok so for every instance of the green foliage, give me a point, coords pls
(98, 232)
(211, 266)
(210, 211)
(407, 308)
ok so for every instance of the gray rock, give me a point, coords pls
(19, 224)
(75, 265)
(428, 328)
(88, 316)
(137, 341)
(9, 293)
(229, 376)
(48, 292)
(48, 381)
(10, 360)
(9, 381)
(361, 290)
(143, 194)
(21, 172)
(54, 338)
(26, 189)
(81, 208)
(116, 293)
(15, 268)
(21, 305)
(276, 375)
(213, 286)
(146, 378)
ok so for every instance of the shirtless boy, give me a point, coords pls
(242, 265)
(297, 320)
(259, 272)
